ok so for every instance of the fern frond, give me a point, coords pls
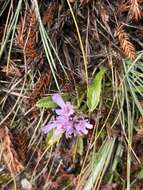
(125, 43)
(135, 10)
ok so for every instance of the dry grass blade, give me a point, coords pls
(9, 154)
(135, 11)
(125, 44)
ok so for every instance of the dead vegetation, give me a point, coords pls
(26, 34)
(125, 44)
(10, 156)
(111, 31)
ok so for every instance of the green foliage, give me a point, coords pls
(94, 90)
(78, 147)
(140, 174)
(99, 164)
(47, 102)
(11, 29)
(52, 139)
(4, 178)
(133, 81)
(48, 137)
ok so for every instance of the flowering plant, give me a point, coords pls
(66, 120)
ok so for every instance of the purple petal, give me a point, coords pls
(66, 110)
(62, 125)
(81, 126)
(84, 131)
(89, 126)
(66, 107)
(69, 108)
(68, 135)
(48, 127)
(62, 119)
(59, 111)
(58, 100)
(69, 132)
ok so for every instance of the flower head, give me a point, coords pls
(66, 121)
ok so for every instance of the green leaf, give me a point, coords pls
(48, 137)
(99, 164)
(47, 102)
(78, 147)
(94, 90)
(51, 139)
(4, 178)
(54, 139)
(140, 174)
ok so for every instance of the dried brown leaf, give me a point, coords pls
(40, 85)
(26, 34)
(11, 70)
(21, 144)
(125, 43)
(135, 10)
(9, 154)
(49, 13)
(39, 89)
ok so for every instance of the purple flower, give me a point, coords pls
(66, 107)
(67, 122)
